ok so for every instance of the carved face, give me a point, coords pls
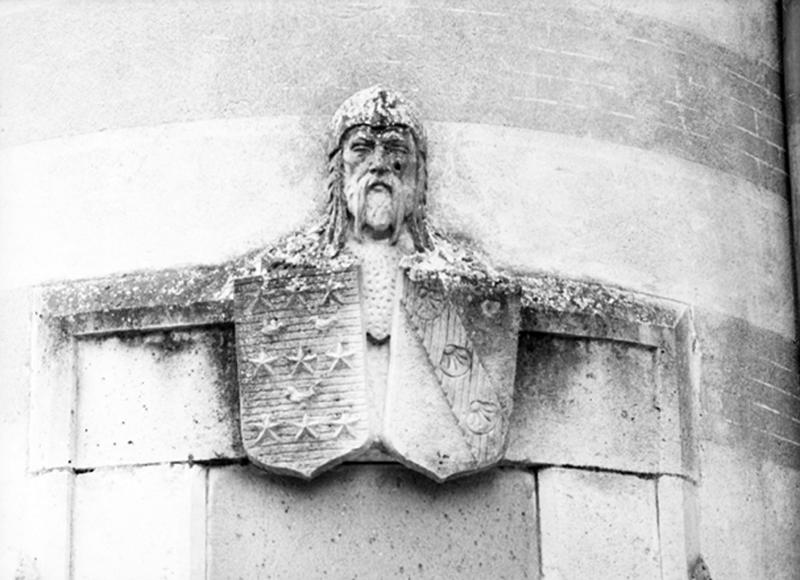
(380, 178)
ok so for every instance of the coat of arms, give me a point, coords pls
(304, 403)
(371, 331)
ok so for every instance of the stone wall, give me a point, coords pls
(637, 144)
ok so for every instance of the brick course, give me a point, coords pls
(559, 67)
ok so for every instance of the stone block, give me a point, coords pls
(592, 403)
(157, 396)
(677, 526)
(597, 525)
(142, 522)
(751, 398)
(371, 521)
(44, 530)
(52, 396)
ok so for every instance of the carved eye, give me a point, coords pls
(360, 147)
(397, 148)
(456, 360)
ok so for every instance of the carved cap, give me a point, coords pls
(376, 106)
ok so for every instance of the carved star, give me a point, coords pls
(264, 362)
(301, 361)
(330, 295)
(268, 431)
(340, 356)
(260, 299)
(344, 426)
(304, 427)
(296, 291)
(296, 299)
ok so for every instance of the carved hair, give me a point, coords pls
(338, 220)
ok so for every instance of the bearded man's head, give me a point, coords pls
(377, 174)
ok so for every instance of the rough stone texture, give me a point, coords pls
(749, 515)
(138, 523)
(158, 396)
(751, 394)
(615, 391)
(379, 283)
(597, 525)
(371, 522)
(593, 403)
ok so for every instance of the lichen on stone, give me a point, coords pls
(298, 250)
(457, 267)
(557, 294)
(453, 264)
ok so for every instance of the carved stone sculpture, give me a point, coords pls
(375, 337)
(372, 333)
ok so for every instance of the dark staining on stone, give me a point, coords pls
(223, 347)
(165, 343)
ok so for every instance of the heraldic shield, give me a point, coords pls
(300, 353)
(451, 378)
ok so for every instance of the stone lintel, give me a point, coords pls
(607, 321)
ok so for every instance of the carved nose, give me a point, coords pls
(379, 167)
(380, 163)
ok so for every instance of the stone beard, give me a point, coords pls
(380, 180)
(431, 381)
(379, 169)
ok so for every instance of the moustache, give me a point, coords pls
(358, 189)
(389, 183)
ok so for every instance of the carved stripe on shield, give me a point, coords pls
(300, 353)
